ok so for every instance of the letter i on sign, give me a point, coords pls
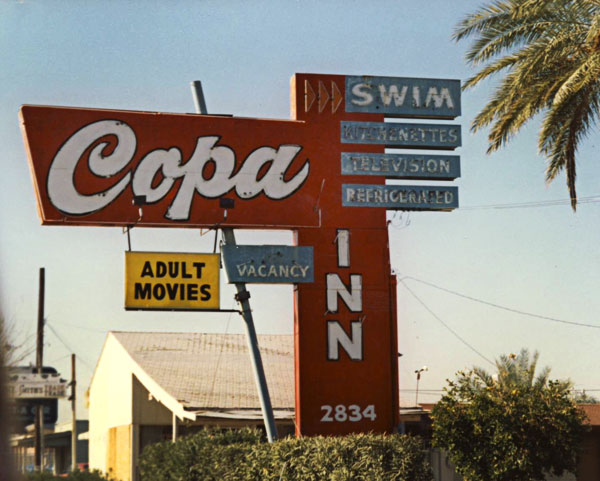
(343, 247)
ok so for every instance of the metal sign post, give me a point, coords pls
(242, 297)
(259, 374)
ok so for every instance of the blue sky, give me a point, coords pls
(142, 55)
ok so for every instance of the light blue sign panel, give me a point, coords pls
(400, 197)
(268, 264)
(402, 166)
(403, 97)
(415, 136)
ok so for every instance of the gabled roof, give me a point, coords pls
(205, 373)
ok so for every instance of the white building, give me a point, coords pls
(145, 383)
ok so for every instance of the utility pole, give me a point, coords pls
(39, 363)
(74, 415)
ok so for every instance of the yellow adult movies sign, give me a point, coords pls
(171, 281)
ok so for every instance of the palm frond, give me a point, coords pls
(549, 53)
(486, 17)
(583, 76)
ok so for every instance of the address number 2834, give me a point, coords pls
(352, 413)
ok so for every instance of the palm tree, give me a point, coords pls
(549, 51)
(517, 371)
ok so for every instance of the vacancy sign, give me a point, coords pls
(268, 264)
(171, 281)
(322, 174)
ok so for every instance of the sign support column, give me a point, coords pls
(242, 297)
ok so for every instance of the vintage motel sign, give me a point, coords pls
(268, 264)
(106, 167)
(171, 281)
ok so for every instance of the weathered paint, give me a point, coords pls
(395, 134)
(400, 197)
(402, 166)
(268, 264)
(346, 340)
(403, 97)
(90, 164)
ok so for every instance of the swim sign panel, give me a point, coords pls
(403, 97)
(268, 264)
(159, 280)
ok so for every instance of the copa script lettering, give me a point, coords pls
(263, 171)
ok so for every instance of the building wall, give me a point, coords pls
(118, 456)
(589, 462)
(110, 400)
(147, 410)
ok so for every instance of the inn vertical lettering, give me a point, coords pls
(351, 296)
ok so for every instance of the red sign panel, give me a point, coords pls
(90, 164)
(89, 167)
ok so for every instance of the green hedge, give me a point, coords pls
(242, 455)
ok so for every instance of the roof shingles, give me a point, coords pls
(213, 371)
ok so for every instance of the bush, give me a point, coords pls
(509, 427)
(168, 461)
(244, 456)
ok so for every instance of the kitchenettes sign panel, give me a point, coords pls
(107, 167)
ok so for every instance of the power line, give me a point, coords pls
(498, 306)
(444, 324)
(541, 203)
(87, 364)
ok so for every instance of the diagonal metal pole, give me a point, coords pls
(242, 297)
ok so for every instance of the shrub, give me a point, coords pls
(244, 456)
(168, 461)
